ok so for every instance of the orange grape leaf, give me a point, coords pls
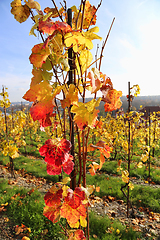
(53, 11)
(20, 12)
(37, 77)
(102, 160)
(42, 108)
(71, 96)
(93, 167)
(88, 15)
(39, 55)
(112, 99)
(73, 215)
(38, 92)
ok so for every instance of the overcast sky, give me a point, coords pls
(132, 52)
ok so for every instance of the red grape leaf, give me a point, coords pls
(52, 213)
(77, 235)
(53, 198)
(50, 27)
(74, 198)
(53, 169)
(56, 156)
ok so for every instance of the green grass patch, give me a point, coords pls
(103, 228)
(33, 166)
(112, 186)
(27, 209)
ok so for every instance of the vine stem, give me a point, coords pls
(104, 43)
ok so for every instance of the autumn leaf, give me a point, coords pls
(73, 215)
(51, 27)
(112, 100)
(42, 108)
(20, 12)
(33, 4)
(53, 198)
(52, 213)
(85, 113)
(53, 11)
(71, 96)
(140, 165)
(77, 40)
(85, 59)
(56, 156)
(88, 16)
(125, 177)
(93, 167)
(39, 55)
(77, 235)
(74, 198)
(94, 76)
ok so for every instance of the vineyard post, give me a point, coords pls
(71, 115)
(149, 143)
(129, 142)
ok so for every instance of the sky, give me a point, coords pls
(132, 52)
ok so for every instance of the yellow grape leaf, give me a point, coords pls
(39, 55)
(20, 12)
(144, 157)
(39, 75)
(85, 113)
(140, 165)
(90, 34)
(118, 231)
(125, 177)
(66, 180)
(85, 60)
(76, 40)
(131, 186)
(83, 221)
(33, 4)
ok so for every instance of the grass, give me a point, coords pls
(27, 209)
(144, 196)
(104, 228)
(33, 166)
